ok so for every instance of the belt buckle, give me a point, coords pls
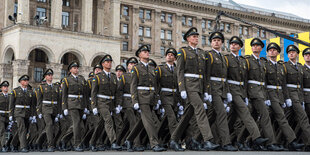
(298, 86)
(222, 79)
(240, 83)
(110, 97)
(277, 87)
(200, 76)
(173, 90)
(261, 83)
(24, 106)
(79, 96)
(52, 102)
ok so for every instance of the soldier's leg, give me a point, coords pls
(2, 133)
(244, 114)
(172, 120)
(76, 120)
(221, 119)
(118, 122)
(22, 131)
(49, 129)
(307, 106)
(265, 122)
(97, 131)
(108, 125)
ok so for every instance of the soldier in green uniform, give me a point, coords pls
(277, 93)
(21, 109)
(191, 74)
(306, 80)
(294, 79)
(103, 94)
(236, 79)
(74, 101)
(143, 94)
(256, 69)
(48, 99)
(4, 114)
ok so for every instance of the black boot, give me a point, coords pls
(207, 146)
(128, 146)
(260, 141)
(114, 146)
(229, 147)
(273, 147)
(158, 148)
(175, 146)
(78, 149)
(295, 146)
(24, 150)
(63, 146)
(50, 149)
(93, 148)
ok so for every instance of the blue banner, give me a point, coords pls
(286, 43)
(263, 53)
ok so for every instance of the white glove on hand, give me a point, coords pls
(246, 101)
(210, 98)
(268, 103)
(181, 108)
(206, 97)
(303, 105)
(40, 116)
(288, 102)
(284, 105)
(139, 110)
(229, 97)
(66, 112)
(11, 118)
(118, 109)
(180, 112)
(61, 116)
(159, 102)
(183, 95)
(30, 118)
(162, 111)
(84, 116)
(34, 120)
(56, 119)
(86, 111)
(205, 106)
(95, 111)
(157, 106)
(136, 106)
(227, 109)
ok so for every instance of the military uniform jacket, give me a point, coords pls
(88, 92)
(77, 87)
(237, 71)
(103, 85)
(124, 89)
(21, 98)
(306, 84)
(217, 67)
(167, 78)
(48, 99)
(256, 71)
(190, 61)
(275, 76)
(295, 76)
(143, 76)
(4, 106)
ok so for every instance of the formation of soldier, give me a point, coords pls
(198, 100)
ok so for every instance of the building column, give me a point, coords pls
(56, 14)
(178, 30)
(135, 28)
(199, 29)
(87, 16)
(115, 18)
(56, 67)
(85, 70)
(6, 73)
(9, 10)
(156, 41)
(23, 16)
(20, 67)
(100, 17)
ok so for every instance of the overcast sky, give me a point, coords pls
(300, 8)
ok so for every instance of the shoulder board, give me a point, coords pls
(241, 57)
(263, 58)
(299, 63)
(200, 49)
(280, 62)
(160, 65)
(113, 73)
(184, 47)
(247, 56)
(226, 54)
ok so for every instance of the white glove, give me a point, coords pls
(86, 111)
(268, 103)
(95, 111)
(284, 105)
(66, 112)
(210, 98)
(61, 116)
(111, 113)
(34, 117)
(136, 106)
(84, 116)
(181, 108)
(162, 111)
(246, 101)
(180, 112)
(183, 95)
(159, 102)
(34, 120)
(303, 105)
(157, 106)
(205, 106)
(56, 119)
(11, 118)
(288, 102)
(139, 110)
(227, 109)
(40, 116)
(206, 97)
(229, 97)
(30, 118)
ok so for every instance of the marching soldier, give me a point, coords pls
(103, 93)
(257, 93)
(191, 74)
(216, 79)
(306, 80)
(74, 101)
(48, 97)
(277, 92)
(120, 70)
(294, 79)
(143, 83)
(21, 108)
(236, 79)
(4, 114)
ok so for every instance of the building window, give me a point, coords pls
(169, 18)
(15, 7)
(183, 20)
(125, 11)
(203, 40)
(38, 73)
(162, 34)
(183, 37)
(246, 31)
(41, 12)
(63, 73)
(227, 27)
(43, 1)
(140, 31)
(125, 46)
(125, 29)
(65, 18)
(227, 44)
(240, 30)
(263, 34)
(148, 14)
(203, 24)
(40, 56)
(190, 21)
(141, 13)
(65, 2)
(162, 51)
(258, 33)
(169, 35)
(222, 26)
(148, 32)
(163, 17)
(209, 24)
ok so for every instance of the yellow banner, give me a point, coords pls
(277, 41)
(247, 46)
(305, 36)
